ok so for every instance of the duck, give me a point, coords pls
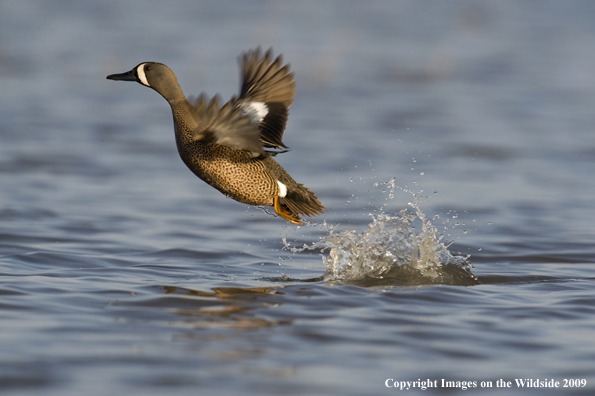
(231, 146)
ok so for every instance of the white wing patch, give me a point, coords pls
(140, 71)
(283, 189)
(260, 108)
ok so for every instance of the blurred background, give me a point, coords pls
(485, 103)
(484, 110)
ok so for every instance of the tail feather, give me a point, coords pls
(302, 201)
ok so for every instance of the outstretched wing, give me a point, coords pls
(266, 94)
(227, 125)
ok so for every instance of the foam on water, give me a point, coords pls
(399, 249)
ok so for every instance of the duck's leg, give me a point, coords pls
(282, 211)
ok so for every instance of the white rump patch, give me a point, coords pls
(283, 189)
(260, 108)
(140, 70)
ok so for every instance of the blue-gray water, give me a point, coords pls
(122, 273)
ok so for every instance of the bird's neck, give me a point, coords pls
(184, 122)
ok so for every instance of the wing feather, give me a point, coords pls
(269, 82)
(227, 125)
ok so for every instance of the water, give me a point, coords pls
(451, 142)
(391, 252)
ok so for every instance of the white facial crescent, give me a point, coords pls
(140, 71)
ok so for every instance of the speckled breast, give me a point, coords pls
(233, 172)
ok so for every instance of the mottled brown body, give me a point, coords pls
(232, 171)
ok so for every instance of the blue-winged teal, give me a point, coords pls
(229, 146)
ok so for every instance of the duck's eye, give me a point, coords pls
(147, 67)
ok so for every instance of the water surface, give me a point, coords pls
(452, 144)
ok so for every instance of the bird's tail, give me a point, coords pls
(298, 201)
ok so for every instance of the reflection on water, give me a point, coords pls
(391, 252)
(225, 307)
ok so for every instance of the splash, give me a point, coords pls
(392, 251)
